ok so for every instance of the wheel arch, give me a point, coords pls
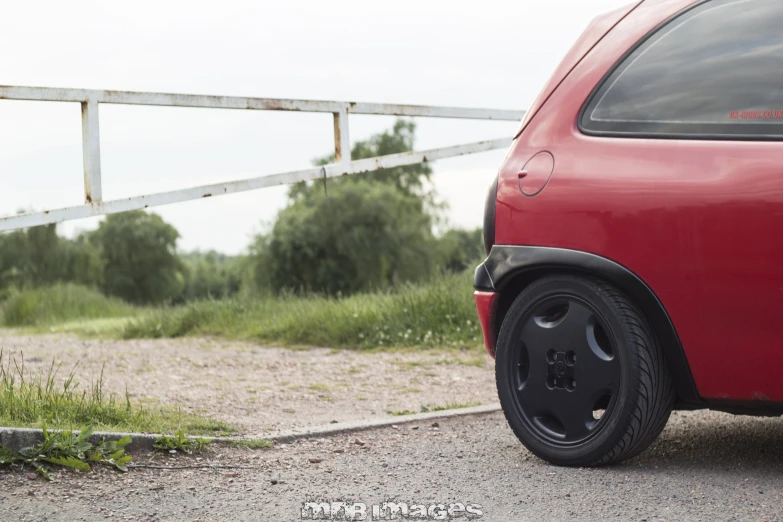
(508, 270)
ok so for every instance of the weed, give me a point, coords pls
(180, 442)
(69, 450)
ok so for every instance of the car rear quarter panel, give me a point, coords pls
(698, 221)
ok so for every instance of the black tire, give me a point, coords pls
(569, 348)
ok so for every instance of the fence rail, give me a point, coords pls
(90, 101)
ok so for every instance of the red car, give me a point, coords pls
(635, 232)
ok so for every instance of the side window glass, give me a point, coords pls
(715, 71)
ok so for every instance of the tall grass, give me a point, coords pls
(439, 313)
(32, 400)
(58, 303)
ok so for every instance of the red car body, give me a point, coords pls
(692, 224)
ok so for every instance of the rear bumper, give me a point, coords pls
(485, 305)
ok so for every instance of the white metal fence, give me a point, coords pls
(91, 100)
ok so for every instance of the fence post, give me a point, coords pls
(342, 140)
(91, 148)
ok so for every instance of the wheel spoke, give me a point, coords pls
(530, 395)
(596, 371)
(574, 413)
(595, 374)
(538, 338)
(562, 334)
(563, 414)
(573, 326)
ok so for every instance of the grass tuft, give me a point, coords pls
(30, 400)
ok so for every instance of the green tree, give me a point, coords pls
(363, 236)
(82, 262)
(38, 256)
(140, 259)
(411, 180)
(373, 229)
(211, 275)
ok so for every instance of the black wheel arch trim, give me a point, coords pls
(504, 263)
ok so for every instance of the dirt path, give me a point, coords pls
(261, 389)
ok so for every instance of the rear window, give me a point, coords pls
(715, 71)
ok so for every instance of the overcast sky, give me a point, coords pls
(494, 54)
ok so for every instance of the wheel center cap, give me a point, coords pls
(560, 372)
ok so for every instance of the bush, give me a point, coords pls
(140, 259)
(59, 303)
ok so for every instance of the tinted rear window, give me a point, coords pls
(714, 71)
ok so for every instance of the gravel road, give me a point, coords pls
(706, 466)
(259, 389)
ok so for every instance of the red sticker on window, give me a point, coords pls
(756, 115)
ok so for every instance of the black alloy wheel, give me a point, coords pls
(580, 376)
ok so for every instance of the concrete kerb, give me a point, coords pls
(18, 438)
